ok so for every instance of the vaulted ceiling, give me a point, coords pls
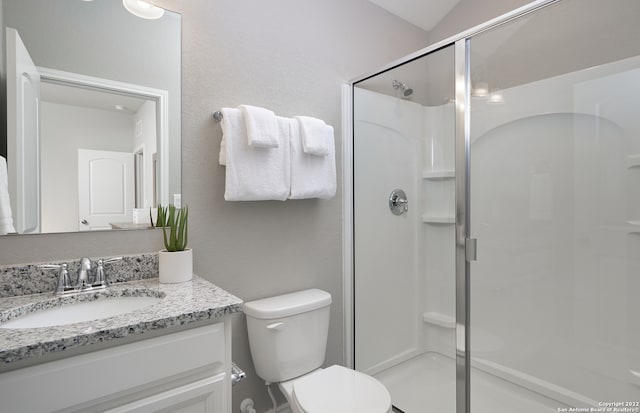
(422, 13)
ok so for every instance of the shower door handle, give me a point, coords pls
(398, 202)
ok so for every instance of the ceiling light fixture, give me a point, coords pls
(143, 9)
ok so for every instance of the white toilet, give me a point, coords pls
(288, 339)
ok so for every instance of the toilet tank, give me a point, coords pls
(288, 333)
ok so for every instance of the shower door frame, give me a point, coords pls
(464, 246)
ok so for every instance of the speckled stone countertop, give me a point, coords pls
(180, 304)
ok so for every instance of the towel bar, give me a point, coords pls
(217, 115)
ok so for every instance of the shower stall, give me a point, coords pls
(493, 249)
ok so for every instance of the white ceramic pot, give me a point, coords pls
(175, 267)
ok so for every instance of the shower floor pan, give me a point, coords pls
(426, 384)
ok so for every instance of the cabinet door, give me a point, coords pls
(203, 396)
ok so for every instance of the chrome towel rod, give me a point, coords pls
(217, 115)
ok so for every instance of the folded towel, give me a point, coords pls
(222, 156)
(6, 218)
(254, 173)
(311, 176)
(317, 136)
(262, 126)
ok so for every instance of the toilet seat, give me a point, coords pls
(338, 389)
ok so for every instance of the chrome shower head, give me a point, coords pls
(404, 89)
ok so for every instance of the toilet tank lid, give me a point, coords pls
(287, 304)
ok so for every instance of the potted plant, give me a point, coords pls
(176, 260)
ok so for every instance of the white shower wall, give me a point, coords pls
(552, 198)
(438, 229)
(407, 259)
(555, 207)
(387, 294)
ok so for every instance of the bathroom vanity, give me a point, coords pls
(172, 355)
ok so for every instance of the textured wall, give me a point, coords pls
(291, 56)
(469, 13)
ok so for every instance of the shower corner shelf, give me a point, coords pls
(440, 174)
(438, 219)
(439, 319)
(633, 160)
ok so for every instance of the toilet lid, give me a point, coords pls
(338, 389)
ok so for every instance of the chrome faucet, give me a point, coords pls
(84, 272)
(85, 279)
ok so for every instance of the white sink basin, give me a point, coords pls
(78, 312)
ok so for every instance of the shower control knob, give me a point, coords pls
(398, 202)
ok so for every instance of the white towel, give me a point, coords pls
(6, 218)
(222, 156)
(253, 173)
(262, 126)
(311, 176)
(317, 136)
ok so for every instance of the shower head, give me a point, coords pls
(404, 89)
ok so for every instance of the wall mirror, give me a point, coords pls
(93, 114)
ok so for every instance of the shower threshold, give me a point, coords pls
(426, 384)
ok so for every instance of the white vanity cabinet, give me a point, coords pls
(185, 371)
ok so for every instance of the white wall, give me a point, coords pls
(386, 149)
(551, 198)
(438, 247)
(64, 130)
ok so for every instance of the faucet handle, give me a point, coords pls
(100, 279)
(64, 281)
(110, 260)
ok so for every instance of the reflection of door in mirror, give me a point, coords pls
(140, 58)
(105, 190)
(23, 146)
(80, 112)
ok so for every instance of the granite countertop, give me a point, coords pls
(181, 304)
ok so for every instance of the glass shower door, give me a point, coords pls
(555, 207)
(404, 250)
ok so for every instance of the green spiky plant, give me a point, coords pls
(161, 216)
(176, 220)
